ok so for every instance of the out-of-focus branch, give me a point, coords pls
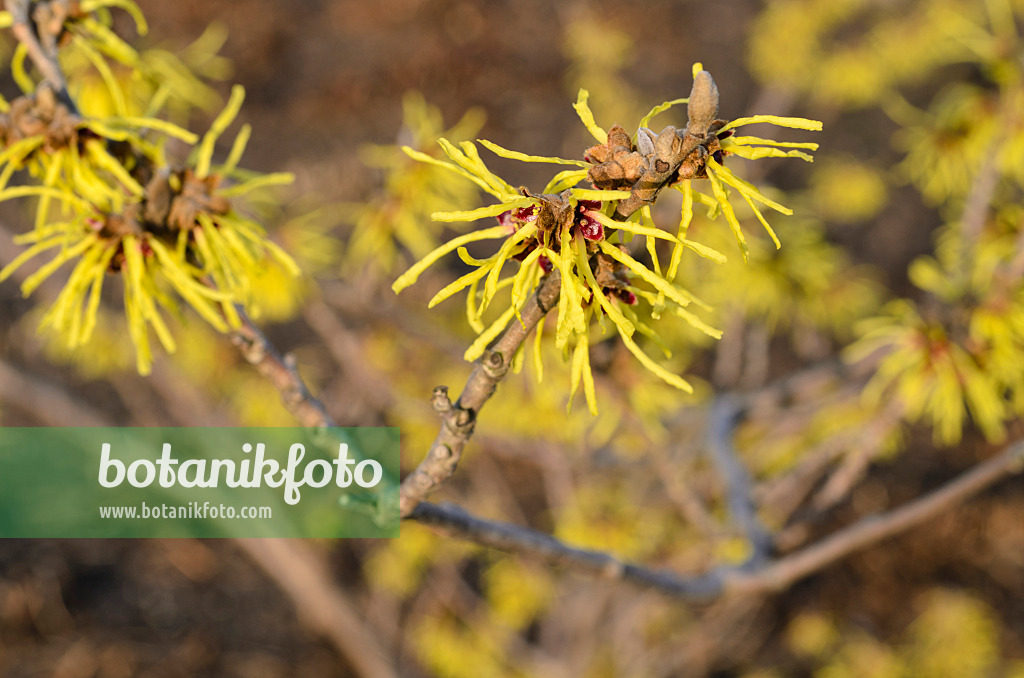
(979, 199)
(457, 522)
(873, 529)
(48, 404)
(725, 415)
(865, 450)
(771, 576)
(976, 207)
(39, 33)
(302, 575)
(282, 372)
(346, 350)
(291, 563)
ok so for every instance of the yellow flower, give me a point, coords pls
(583, 232)
(179, 233)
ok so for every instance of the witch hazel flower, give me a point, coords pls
(587, 219)
(590, 235)
(513, 219)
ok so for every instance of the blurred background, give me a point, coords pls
(916, 96)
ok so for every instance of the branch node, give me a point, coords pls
(250, 349)
(440, 401)
(422, 481)
(282, 372)
(462, 421)
(493, 363)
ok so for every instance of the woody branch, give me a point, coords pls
(649, 169)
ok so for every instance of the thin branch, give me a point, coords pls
(756, 361)
(774, 576)
(869, 444)
(324, 607)
(39, 33)
(976, 208)
(457, 522)
(49, 404)
(346, 349)
(291, 563)
(184, 400)
(282, 372)
(354, 303)
(728, 361)
(725, 414)
(782, 496)
(875, 528)
(1015, 269)
(679, 491)
(459, 419)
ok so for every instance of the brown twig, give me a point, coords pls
(282, 372)
(680, 491)
(346, 350)
(39, 33)
(291, 563)
(865, 449)
(875, 528)
(772, 576)
(326, 609)
(728, 361)
(976, 207)
(1014, 271)
(670, 149)
(459, 418)
(49, 404)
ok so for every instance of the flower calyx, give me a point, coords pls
(41, 114)
(555, 211)
(552, 211)
(617, 164)
(613, 278)
(176, 197)
(173, 201)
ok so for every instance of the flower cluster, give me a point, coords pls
(950, 355)
(589, 234)
(397, 218)
(957, 355)
(108, 199)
